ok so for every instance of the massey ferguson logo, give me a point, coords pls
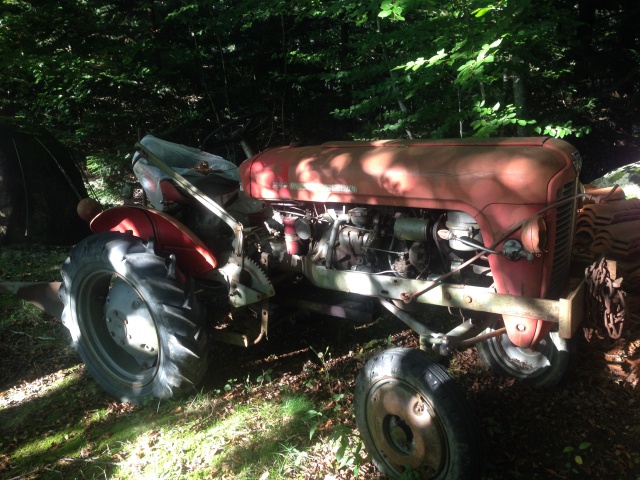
(316, 187)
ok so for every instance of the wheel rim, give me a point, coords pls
(118, 329)
(405, 428)
(524, 362)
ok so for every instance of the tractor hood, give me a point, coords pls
(469, 173)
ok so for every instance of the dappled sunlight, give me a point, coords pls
(339, 164)
(46, 385)
(264, 178)
(67, 440)
(238, 439)
(306, 171)
(392, 177)
(427, 174)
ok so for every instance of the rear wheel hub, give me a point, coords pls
(130, 324)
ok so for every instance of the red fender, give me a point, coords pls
(192, 255)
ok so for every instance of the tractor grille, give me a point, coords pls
(565, 224)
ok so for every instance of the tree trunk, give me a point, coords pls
(519, 93)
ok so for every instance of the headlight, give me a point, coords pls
(534, 234)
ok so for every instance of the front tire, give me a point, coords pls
(545, 367)
(134, 322)
(413, 417)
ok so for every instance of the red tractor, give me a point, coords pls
(483, 227)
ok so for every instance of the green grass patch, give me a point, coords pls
(198, 442)
(212, 435)
(32, 263)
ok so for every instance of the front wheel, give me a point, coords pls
(414, 418)
(544, 366)
(134, 322)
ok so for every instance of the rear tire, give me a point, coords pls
(414, 418)
(545, 367)
(134, 322)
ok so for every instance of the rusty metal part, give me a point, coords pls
(407, 428)
(567, 312)
(248, 282)
(245, 327)
(605, 302)
(571, 309)
(483, 337)
(264, 321)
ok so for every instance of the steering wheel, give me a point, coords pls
(235, 129)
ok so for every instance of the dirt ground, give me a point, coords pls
(588, 428)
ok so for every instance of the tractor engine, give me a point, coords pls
(416, 244)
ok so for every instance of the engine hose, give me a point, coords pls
(333, 238)
(473, 243)
(395, 272)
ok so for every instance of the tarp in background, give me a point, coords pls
(40, 187)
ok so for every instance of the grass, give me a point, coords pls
(27, 263)
(207, 435)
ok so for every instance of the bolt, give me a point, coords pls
(135, 304)
(521, 327)
(467, 299)
(447, 296)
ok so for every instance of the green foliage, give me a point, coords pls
(325, 360)
(491, 120)
(98, 75)
(561, 131)
(392, 9)
(577, 457)
(348, 448)
(265, 377)
(108, 175)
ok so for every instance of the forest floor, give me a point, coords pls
(587, 428)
